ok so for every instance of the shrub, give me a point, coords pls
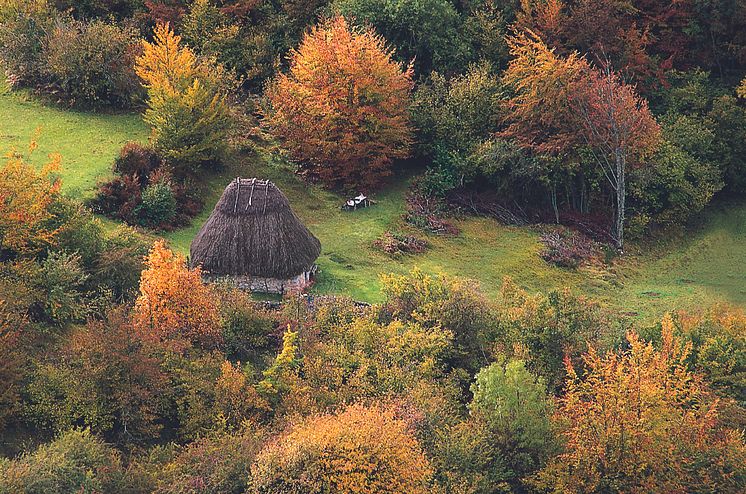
(345, 129)
(396, 244)
(23, 28)
(187, 106)
(426, 212)
(137, 160)
(568, 248)
(213, 465)
(91, 64)
(363, 450)
(158, 206)
(75, 462)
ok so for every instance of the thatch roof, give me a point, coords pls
(253, 231)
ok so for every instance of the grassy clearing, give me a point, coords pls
(704, 266)
(88, 142)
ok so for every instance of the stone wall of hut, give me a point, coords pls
(265, 285)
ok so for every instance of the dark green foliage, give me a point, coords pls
(87, 9)
(62, 282)
(92, 64)
(247, 329)
(158, 206)
(23, 28)
(423, 31)
(696, 105)
(456, 119)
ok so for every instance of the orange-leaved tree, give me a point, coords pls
(639, 421)
(27, 222)
(342, 110)
(175, 308)
(362, 450)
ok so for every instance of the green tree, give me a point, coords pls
(423, 31)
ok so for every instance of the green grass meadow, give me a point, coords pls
(703, 266)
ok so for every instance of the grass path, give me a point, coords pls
(706, 265)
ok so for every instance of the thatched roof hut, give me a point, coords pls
(254, 237)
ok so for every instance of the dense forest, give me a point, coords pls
(603, 127)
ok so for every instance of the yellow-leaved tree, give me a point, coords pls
(175, 308)
(27, 222)
(187, 106)
(741, 90)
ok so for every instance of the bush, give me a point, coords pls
(396, 244)
(211, 465)
(144, 193)
(23, 28)
(137, 160)
(92, 64)
(75, 462)
(567, 248)
(158, 207)
(363, 450)
(426, 212)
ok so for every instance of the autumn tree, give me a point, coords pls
(362, 450)
(101, 377)
(741, 90)
(175, 307)
(620, 131)
(187, 106)
(27, 219)
(342, 109)
(640, 421)
(562, 106)
(539, 115)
